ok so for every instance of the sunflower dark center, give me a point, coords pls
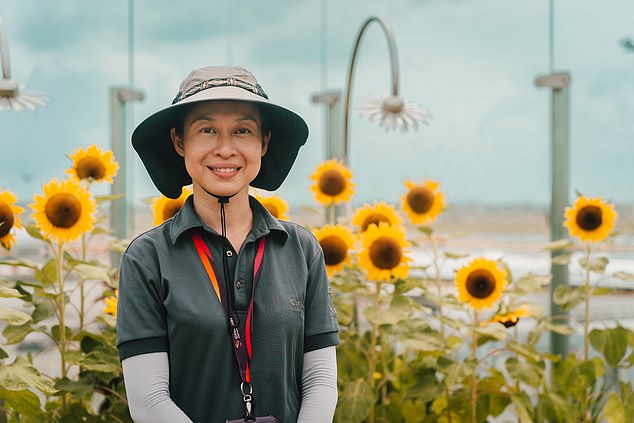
(6, 218)
(375, 218)
(63, 210)
(589, 218)
(385, 253)
(90, 167)
(332, 182)
(480, 283)
(334, 250)
(273, 210)
(420, 199)
(509, 321)
(171, 208)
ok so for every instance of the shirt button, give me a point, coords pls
(229, 253)
(238, 285)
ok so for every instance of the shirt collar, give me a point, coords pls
(263, 222)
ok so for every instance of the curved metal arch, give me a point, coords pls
(4, 52)
(387, 30)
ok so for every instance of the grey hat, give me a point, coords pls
(152, 141)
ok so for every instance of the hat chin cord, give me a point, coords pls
(222, 200)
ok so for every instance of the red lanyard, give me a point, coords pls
(243, 350)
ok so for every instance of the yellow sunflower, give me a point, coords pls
(590, 219)
(333, 183)
(8, 218)
(480, 283)
(384, 252)
(65, 211)
(276, 205)
(111, 304)
(511, 317)
(93, 165)
(378, 212)
(164, 207)
(336, 242)
(422, 202)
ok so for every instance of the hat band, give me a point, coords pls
(220, 82)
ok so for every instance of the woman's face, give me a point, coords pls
(222, 145)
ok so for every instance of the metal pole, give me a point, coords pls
(119, 206)
(387, 30)
(560, 112)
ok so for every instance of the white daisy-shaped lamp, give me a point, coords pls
(390, 110)
(12, 96)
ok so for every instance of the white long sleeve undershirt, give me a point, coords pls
(146, 379)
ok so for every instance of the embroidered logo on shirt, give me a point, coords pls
(296, 304)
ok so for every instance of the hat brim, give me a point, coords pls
(152, 141)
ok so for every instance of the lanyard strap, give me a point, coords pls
(243, 350)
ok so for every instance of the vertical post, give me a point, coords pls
(560, 112)
(334, 146)
(119, 206)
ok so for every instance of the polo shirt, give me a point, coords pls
(167, 304)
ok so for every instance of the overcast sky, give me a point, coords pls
(472, 63)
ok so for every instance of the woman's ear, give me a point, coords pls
(177, 142)
(265, 142)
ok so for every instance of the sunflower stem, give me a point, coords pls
(331, 214)
(373, 347)
(586, 321)
(82, 294)
(474, 381)
(61, 304)
(434, 250)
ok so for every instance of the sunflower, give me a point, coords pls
(111, 304)
(590, 219)
(333, 183)
(510, 318)
(276, 205)
(8, 218)
(422, 202)
(164, 208)
(384, 252)
(378, 212)
(65, 211)
(336, 242)
(93, 165)
(480, 283)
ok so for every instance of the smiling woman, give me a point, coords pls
(195, 275)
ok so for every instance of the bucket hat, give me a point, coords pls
(152, 142)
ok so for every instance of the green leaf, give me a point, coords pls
(100, 361)
(562, 259)
(3, 354)
(629, 277)
(594, 264)
(92, 272)
(454, 256)
(561, 244)
(20, 263)
(385, 317)
(614, 410)
(55, 332)
(22, 375)
(524, 350)
(528, 373)
(34, 232)
(103, 198)
(532, 282)
(9, 292)
(422, 342)
(496, 331)
(354, 402)
(612, 343)
(15, 334)
(13, 317)
(522, 408)
(602, 291)
(568, 297)
(23, 402)
(427, 230)
(48, 273)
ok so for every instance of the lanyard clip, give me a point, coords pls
(247, 390)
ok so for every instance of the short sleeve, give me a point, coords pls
(141, 317)
(321, 326)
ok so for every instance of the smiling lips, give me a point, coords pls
(224, 171)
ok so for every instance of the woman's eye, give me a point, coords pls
(207, 130)
(243, 131)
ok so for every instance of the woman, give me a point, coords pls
(224, 311)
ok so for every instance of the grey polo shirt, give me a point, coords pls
(167, 304)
